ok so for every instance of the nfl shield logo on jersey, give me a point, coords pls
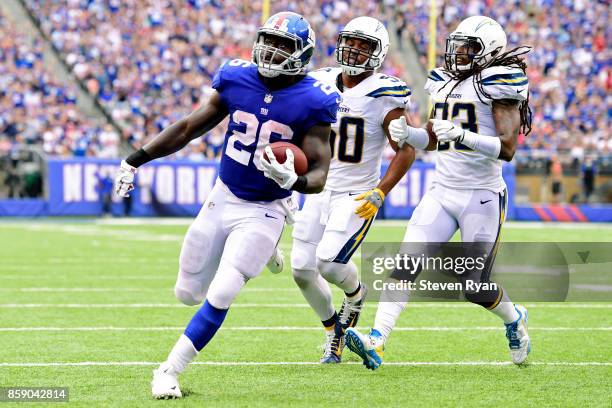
(268, 98)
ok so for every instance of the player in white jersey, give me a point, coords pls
(332, 224)
(480, 104)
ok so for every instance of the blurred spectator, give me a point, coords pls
(556, 176)
(22, 174)
(105, 189)
(589, 171)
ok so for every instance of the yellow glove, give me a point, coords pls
(372, 200)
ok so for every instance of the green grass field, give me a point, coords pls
(89, 305)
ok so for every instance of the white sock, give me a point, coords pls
(505, 309)
(182, 354)
(390, 306)
(357, 295)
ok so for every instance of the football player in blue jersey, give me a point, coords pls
(268, 99)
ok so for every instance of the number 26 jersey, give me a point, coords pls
(260, 116)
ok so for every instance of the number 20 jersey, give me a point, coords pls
(458, 166)
(259, 116)
(358, 137)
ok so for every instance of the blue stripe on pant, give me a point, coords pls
(353, 243)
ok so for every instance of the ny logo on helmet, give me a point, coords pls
(280, 22)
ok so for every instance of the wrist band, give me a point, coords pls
(138, 158)
(490, 146)
(418, 137)
(300, 184)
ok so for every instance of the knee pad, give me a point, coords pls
(345, 276)
(226, 286)
(304, 277)
(303, 255)
(188, 293)
(194, 251)
(325, 267)
(332, 271)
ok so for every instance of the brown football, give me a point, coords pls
(300, 162)
(433, 139)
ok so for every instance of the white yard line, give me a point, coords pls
(54, 223)
(304, 363)
(283, 328)
(295, 289)
(287, 305)
(90, 278)
(381, 223)
(167, 289)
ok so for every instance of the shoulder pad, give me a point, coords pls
(505, 83)
(504, 76)
(435, 79)
(230, 72)
(239, 63)
(387, 85)
(437, 75)
(327, 75)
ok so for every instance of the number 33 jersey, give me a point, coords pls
(458, 166)
(358, 137)
(258, 117)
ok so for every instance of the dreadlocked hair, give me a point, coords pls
(507, 59)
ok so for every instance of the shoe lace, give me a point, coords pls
(512, 335)
(332, 343)
(348, 310)
(345, 313)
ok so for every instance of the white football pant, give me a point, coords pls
(228, 243)
(326, 234)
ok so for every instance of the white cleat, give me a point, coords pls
(518, 338)
(165, 383)
(276, 262)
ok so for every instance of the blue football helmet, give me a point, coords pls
(296, 37)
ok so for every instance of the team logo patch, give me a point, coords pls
(211, 205)
(279, 23)
(268, 98)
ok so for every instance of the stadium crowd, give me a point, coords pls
(569, 67)
(150, 62)
(36, 109)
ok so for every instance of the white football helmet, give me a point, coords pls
(363, 28)
(476, 41)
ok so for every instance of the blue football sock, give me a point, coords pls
(204, 324)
